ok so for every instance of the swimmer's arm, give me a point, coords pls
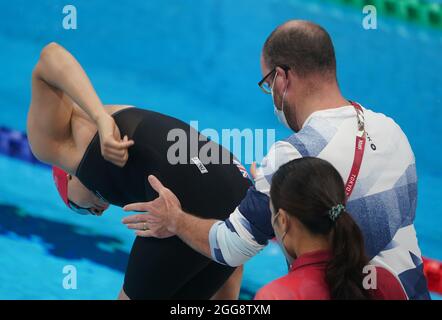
(58, 83)
(49, 119)
(60, 70)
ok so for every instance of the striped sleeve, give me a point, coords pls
(280, 153)
(247, 230)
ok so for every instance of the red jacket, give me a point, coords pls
(306, 281)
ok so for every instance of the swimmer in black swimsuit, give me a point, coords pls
(93, 167)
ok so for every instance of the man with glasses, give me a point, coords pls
(368, 149)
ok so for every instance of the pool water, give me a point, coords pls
(199, 61)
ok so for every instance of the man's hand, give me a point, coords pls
(113, 148)
(163, 213)
(146, 225)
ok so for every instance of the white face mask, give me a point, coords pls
(280, 113)
(280, 240)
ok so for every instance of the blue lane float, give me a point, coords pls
(14, 144)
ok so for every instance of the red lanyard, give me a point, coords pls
(359, 151)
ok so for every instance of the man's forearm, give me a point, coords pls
(60, 69)
(195, 232)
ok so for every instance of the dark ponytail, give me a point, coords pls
(308, 188)
(344, 272)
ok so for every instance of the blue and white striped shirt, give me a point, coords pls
(383, 202)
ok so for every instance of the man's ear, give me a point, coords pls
(284, 222)
(282, 73)
(283, 80)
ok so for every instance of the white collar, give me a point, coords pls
(330, 112)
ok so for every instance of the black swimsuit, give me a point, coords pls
(166, 268)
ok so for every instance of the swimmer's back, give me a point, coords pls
(164, 147)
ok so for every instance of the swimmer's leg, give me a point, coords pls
(159, 268)
(205, 284)
(230, 289)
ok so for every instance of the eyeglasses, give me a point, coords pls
(80, 210)
(265, 85)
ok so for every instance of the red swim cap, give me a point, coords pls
(61, 182)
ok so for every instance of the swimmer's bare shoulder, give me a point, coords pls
(58, 129)
(83, 129)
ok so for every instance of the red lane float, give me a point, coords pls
(433, 273)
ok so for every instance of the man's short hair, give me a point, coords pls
(303, 46)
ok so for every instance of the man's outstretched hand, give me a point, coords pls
(161, 216)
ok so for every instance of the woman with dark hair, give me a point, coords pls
(311, 223)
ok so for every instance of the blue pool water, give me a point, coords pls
(194, 60)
